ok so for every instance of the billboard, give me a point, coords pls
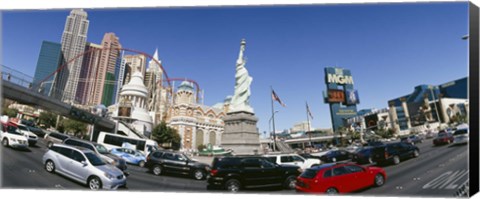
(340, 95)
(335, 96)
(352, 97)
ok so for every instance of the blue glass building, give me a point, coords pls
(414, 101)
(49, 60)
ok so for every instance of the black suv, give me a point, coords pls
(237, 172)
(102, 151)
(394, 152)
(160, 161)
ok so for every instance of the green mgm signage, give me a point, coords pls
(340, 95)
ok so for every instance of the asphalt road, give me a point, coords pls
(437, 172)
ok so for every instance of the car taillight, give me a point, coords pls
(213, 172)
(148, 158)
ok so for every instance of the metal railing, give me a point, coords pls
(18, 78)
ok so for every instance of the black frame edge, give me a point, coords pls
(474, 157)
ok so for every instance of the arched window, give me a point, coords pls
(213, 138)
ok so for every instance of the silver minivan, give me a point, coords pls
(84, 166)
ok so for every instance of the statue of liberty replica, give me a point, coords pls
(241, 134)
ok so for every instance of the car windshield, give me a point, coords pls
(101, 149)
(186, 157)
(461, 132)
(310, 173)
(13, 130)
(94, 159)
(331, 153)
(442, 134)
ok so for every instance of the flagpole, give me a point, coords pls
(273, 120)
(308, 123)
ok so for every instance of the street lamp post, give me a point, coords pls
(269, 130)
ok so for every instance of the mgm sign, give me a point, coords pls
(341, 96)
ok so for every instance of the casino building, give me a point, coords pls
(443, 103)
(197, 124)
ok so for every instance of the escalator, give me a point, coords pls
(283, 147)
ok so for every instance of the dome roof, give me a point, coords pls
(135, 86)
(186, 86)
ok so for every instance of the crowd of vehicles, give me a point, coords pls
(101, 163)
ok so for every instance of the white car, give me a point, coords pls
(32, 138)
(293, 159)
(84, 166)
(11, 136)
(460, 136)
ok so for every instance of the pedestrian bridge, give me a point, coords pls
(18, 88)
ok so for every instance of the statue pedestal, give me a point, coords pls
(241, 134)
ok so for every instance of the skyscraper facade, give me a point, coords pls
(73, 42)
(104, 83)
(49, 60)
(135, 63)
(119, 78)
(158, 95)
(88, 74)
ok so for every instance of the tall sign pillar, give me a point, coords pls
(341, 96)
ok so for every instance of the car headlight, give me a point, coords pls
(109, 176)
(13, 139)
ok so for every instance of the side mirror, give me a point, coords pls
(84, 163)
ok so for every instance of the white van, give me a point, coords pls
(111, 140)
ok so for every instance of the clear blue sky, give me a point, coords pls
(389, 48)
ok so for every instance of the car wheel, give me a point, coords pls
(50, 166)
(95, 183)
(332, 191)
(5, 142)
(396, 159)
(198, 174)
(290, 182)
(141, 163)
(233, 185)
(416, 153)
(379, 180)
(157, 170)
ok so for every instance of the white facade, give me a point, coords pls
(136, 93)
(74, 38)
(302, 126)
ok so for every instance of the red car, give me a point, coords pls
(339, 178)
(443, 137)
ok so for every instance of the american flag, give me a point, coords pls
(308, 111)
(276, 98)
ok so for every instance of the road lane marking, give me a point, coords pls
(447, 180)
